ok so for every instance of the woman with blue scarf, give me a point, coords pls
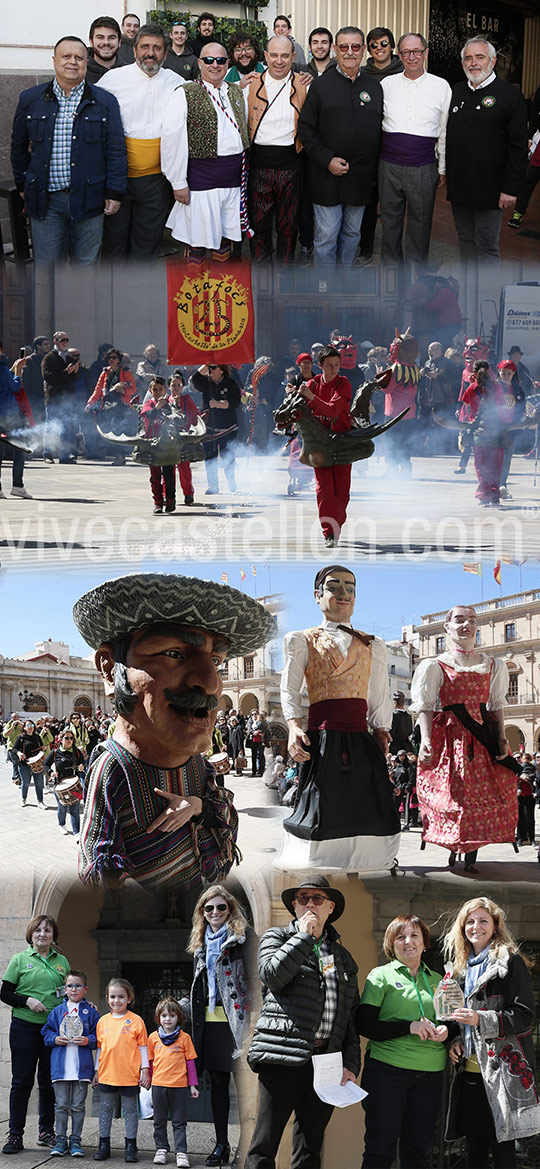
(494, 1098)
(223, 948)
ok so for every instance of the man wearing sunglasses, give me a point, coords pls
(309, 984)
(382, 62)
(203, 153)
(412, 163)
(340, 129)
(60, 373)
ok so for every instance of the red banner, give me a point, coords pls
(210, 313)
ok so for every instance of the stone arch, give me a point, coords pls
(515, 737)
(83, 705)
(249, 702)
(225, 702)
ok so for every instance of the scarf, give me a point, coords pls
(168, 1037)
(476, 967)
(213, 943)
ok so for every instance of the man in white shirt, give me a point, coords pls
(142, 91)
(274, 103)
(345, 815)
(203, 148)
(412, 161)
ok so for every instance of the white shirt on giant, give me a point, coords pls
(295, 653)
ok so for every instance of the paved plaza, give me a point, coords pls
(94, 513)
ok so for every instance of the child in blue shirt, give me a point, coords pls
(72, 1062)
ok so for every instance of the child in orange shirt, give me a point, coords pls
(122, 1066)
(173, 1074)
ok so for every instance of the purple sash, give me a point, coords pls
(407, 149)
(205, 174)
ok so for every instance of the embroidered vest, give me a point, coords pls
(202, 122)
(329, 675)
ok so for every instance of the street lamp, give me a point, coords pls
(26, 698)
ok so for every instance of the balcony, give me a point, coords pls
(519, 699)
(488, 606)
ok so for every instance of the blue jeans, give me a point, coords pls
(69, 1097)
(26, 774)
(57, 237)
(402, 1106)
(337, 233)
(74, 811)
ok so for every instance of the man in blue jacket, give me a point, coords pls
(68, 156)
(71, 1032)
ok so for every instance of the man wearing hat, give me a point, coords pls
(345, 816)
(310, 989)
(152, 810)
(523, 375)
(402, 725)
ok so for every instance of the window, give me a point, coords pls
(249, 667)
(440, 645)
(224, 670)
(478, 638)
(513, 687)
(510, 631)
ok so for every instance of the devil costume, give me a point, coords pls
(466, 799)
(345, 817)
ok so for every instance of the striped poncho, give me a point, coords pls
(120, 803)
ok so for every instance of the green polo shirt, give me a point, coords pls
(393, 989)
(39, 978)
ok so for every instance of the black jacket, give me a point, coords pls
(57, 382)
(342, 118)
(226, 388)
(486, 144)
(293, 990)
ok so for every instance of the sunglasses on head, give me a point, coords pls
(220, 908)
(315, 898)
(344, 48)
(218, 60)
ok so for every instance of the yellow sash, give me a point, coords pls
(143, 157)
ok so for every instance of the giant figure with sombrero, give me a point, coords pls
(152, 810)
(345, 817)
(310, 990)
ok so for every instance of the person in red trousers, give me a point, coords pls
(179, 397)
(329, 395)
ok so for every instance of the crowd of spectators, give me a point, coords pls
(57, 407)
(144, 128)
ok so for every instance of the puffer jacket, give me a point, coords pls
(293, 989)
(235, 974)
(503, 1045)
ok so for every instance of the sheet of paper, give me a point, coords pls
(327, 1074)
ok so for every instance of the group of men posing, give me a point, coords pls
(207, 141)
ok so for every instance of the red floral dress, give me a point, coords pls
(466, 800)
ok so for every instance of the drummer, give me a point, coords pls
(66, 762)
(30, 753)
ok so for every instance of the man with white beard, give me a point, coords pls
(486, 151)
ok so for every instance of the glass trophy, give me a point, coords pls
(71, 1027)
(448, 998)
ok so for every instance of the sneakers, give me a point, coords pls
(182, 1160)
(2, 496)
(160, 1157)
(42, 806)
(504, 493)
(23, 805)
(60, 1147)
(170, 506)
(46, 1137)
(516, 219)
(75, 1147)
(188, 500)
(14, 1144)
(21, 493)
(157, 510)
(62, 828)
